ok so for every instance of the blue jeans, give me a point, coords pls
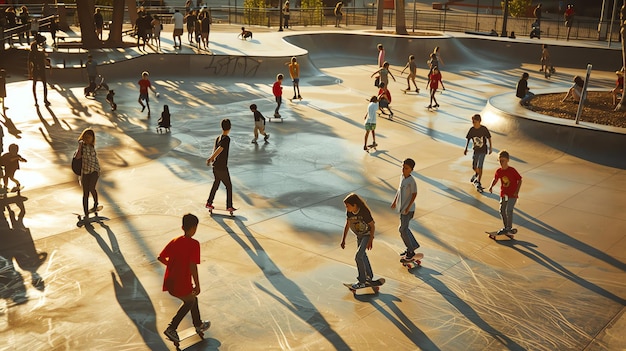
(362, 262)
(526, 98)
(506, 211)
(405, 233)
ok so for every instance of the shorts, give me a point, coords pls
(382, 103)
(144, 96)
(178, 32)
(370, 126)
(478, 160)
(296, 80)
(412, 75)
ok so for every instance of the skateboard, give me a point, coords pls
(82, 220)
(370, 147)
(410, 90)
(222, 210)
(279, 117)
(510, 235)
(549, 72)
(415, 261)
(298, 98)
(375, 287)
(186, 334)
(432, 108)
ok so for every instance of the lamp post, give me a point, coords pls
(280, 11)
(504, 20)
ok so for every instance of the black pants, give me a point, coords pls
(190, 303)
(89, 187)
(223, 176)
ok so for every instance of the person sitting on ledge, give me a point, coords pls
(576, 90)
(522, 90)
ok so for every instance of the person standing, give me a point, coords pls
(37, 71)
(205, 24)
(219, 158)
(98, 21)
(286, 14)
(191, 19)
(277, 90)
(181, 256)
(294, 72)
(144, 85)
(178, 20)
(338, 13)
(569, 19)
(90, 171)
(434, 79)
(510, 184)
(381, 55)
(481, 143)
(359, 220)
(370, 121)
(404, 203)
(259, 124)
(157, 26)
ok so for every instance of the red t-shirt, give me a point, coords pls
(144, 84)
(509, 181)
(387, 94)
(180, 253)
(435, 78)
(277, 89)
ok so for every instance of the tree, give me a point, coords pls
(115, 33)
(85, 10)
(622, 16)
(518, 8)
(380, 14)
(312, 11)
(401, 19)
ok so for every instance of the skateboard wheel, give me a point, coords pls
(376, 289)
(514, 231)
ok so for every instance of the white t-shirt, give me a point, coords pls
(406, 189)
(371, 113)
(178, 20)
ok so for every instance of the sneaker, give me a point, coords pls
(230, 209)
(358, 285)
(502, 231)
(374, 144)
(267, 136)
(403, 253)
(276, 115)
(365, 147)
(143, 107)
(436, 105)
(409, 255)
(417, 90)
(478, 185)
(300, 97)
(253, 141)
(294, 97)
(171, 334)
(429, 106)
(46, 102)
(209, 206)
(473, 178)
(203, 327)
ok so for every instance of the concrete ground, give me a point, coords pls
(271, 277)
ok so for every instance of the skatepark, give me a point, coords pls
(271, 276)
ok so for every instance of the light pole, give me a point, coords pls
(506, 16)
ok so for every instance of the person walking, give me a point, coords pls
(98, 21)
(481, 144)
(178, 21)
(569, 19)
(219, 159)
(338, 11)
(510, 184)
(37, 71)
(181, 256)
(412, 66)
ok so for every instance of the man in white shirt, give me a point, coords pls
(178, 28)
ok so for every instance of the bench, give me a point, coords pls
(70, 45)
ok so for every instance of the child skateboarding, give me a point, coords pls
(370, 122)
(277, 90)
(412, 66)
(480, 137)
(404, 203)
(359, 220)
(510, 184)
(181, 257)
(11, 162)
(259, 124)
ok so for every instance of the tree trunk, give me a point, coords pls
(115, 30)
(622, 16)
(401, 19)
(85, 10)
(381, 12)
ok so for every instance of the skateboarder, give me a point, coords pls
(480, 137)
(144, 85)
(259, 124)
(434, 79)
(359, 220)
(11, 162)
(294, 72)
(90, 171)
(182, 256)
(277, 90)
(370, 121)
(412, 66)
(219, 158)
(404, 203)
(510, 184)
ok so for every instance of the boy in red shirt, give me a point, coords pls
(144, 85)
(277, 89)
(181, 256)
(510, 183)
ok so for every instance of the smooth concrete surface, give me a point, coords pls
(272, 277)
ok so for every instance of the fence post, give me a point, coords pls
(583, 95)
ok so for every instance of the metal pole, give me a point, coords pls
(477, 3)
(612, 21)
(504, 20)
(414, 15)
(583, 95)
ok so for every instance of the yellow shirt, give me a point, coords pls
(294, 70)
